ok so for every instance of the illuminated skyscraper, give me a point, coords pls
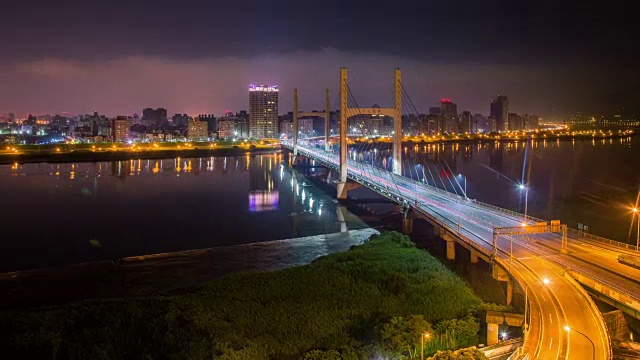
(263, 111)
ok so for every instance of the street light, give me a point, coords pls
(526, 198)
(423, 335)
(465, 185)
(568, 329)
(546, 281)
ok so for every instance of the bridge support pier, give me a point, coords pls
(495, 318)
(474, 257)
(451, 245)
(492, 333)
(344, 188)
(437, 230)
(407, 221)
(500, 274)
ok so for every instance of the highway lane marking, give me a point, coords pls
(551, 342)
(550, 320)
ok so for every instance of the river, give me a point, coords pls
(58, 214)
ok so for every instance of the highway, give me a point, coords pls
(537, 264)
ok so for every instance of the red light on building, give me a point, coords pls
(446, 100)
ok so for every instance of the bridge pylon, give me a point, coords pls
(394, 112)
(297, 114)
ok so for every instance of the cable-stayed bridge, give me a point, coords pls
(551, 264)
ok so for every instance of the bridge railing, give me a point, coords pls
(587, 236)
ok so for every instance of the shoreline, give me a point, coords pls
(165, 273)
(119, 155)
(122, 154)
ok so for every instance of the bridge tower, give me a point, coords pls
(395, 112)
(299, 114)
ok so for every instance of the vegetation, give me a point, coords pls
(464, 354)
(375, 300)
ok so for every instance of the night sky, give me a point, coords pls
(117, 57)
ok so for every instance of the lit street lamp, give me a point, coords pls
(465, 185)
(568, 329)
(546, 281)
(423, 335)
(526, 198)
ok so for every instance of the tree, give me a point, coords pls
(463, 332)
(402, 335)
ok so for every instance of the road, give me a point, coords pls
(537, 263)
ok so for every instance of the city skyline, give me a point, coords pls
(549, 59)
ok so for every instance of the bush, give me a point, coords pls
(334, 303)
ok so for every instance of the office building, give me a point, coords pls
(263, 111)
(499, 111)
(197, 130)
(121, 129)
(449, 116)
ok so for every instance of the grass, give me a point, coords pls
(337, 302)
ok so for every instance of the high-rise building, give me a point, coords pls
(466, 123)
(434, 120)
(180, 119)
(120, 129)
(212, 124)
(197, 130)
(263, 111)
(154, 117)
(515, 122)
(500, 113)
(449, 116)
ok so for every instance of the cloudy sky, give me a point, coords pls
(117, 57)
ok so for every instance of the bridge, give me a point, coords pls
(555, 267)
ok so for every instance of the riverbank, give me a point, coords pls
(501, 138)
(374, 299)
(22, 156)
(165, 274)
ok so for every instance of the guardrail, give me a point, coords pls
(584, 294)
(587, 236)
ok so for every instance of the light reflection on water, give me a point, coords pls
(75, 212)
